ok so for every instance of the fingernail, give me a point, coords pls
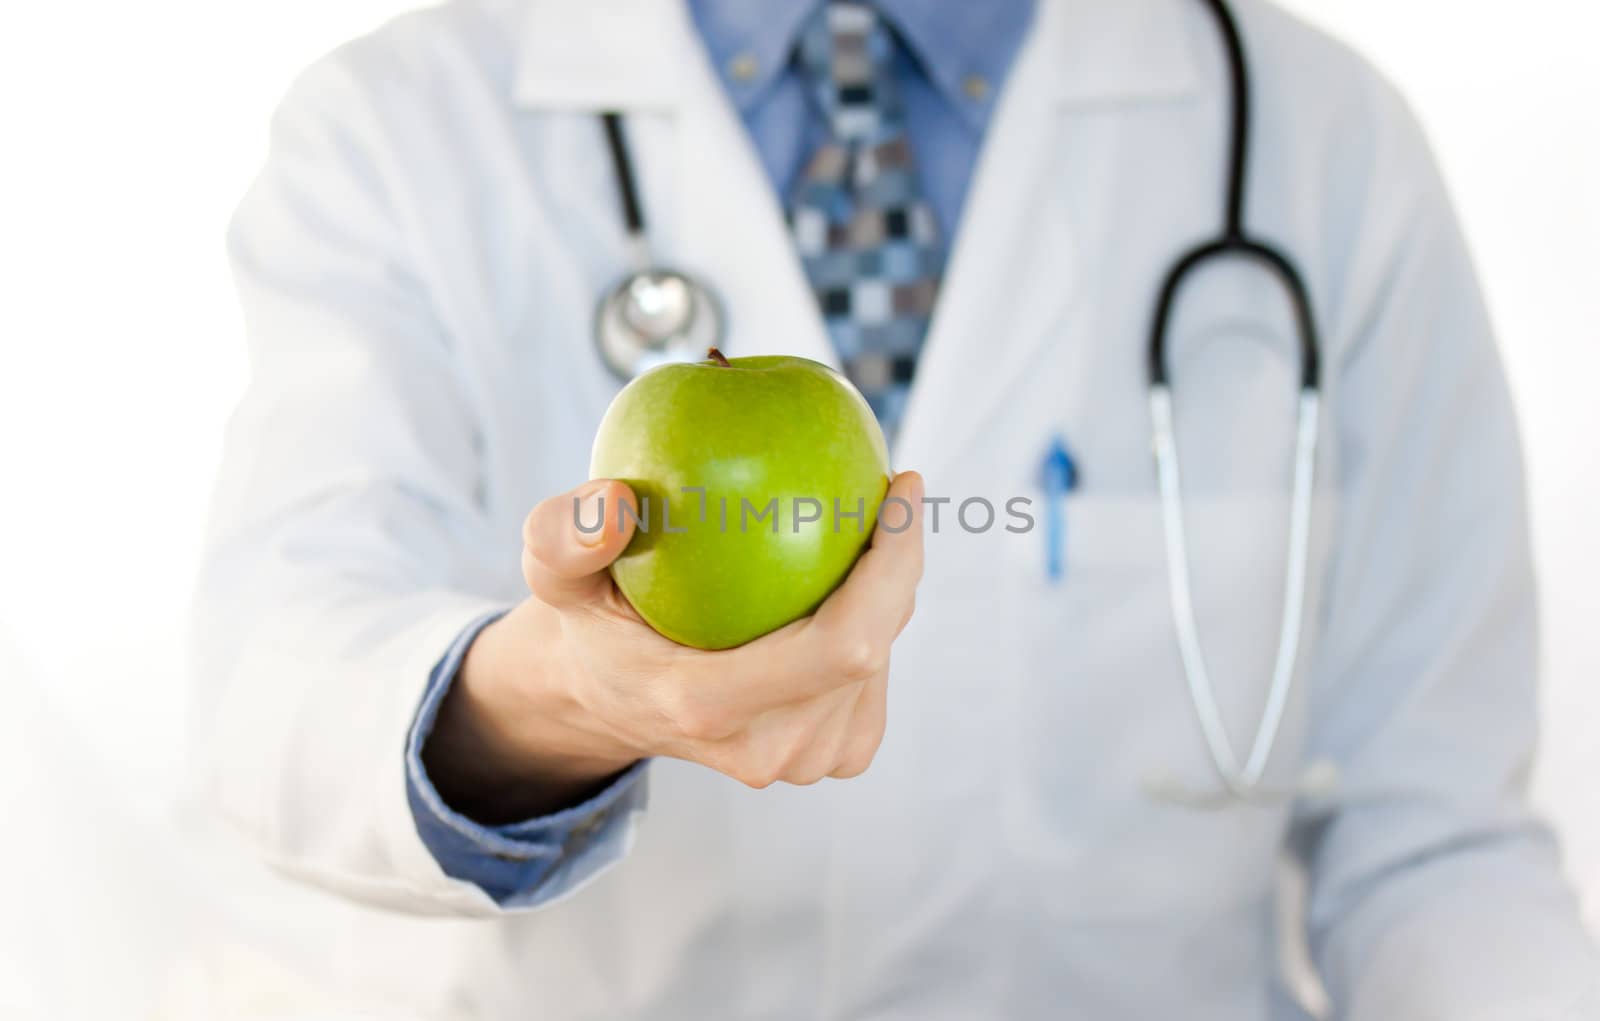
(590, 514)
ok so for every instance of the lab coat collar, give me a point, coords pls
(629, 54)
(604, 55)
(763, 33)
(953, 42)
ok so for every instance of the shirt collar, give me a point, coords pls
(965, 47)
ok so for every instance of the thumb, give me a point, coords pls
(569, 540)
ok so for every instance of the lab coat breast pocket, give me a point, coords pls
(1105, 720)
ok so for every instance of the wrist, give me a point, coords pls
(510, 741)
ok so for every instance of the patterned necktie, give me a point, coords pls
(866, 237)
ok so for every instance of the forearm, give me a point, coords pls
(1483, 930)
(352, 546)
(1435, 893)
(301, 721)
(511, 741)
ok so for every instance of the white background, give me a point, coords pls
(128, 129)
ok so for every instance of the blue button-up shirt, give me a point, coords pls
(951, 63)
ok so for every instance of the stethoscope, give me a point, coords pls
(1242, 781)
(655, 315)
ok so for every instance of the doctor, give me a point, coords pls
(418, 698)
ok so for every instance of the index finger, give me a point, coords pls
(875, 601)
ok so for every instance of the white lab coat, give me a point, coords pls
(419, 264)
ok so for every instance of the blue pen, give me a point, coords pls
(1060, 478)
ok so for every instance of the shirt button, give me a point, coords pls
(743, 67)
(976, 86)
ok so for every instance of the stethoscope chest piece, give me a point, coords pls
(655, 316)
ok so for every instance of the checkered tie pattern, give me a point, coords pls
(866, 237)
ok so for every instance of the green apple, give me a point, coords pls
(759, 482)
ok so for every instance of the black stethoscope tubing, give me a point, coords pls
(1234, 240)
(622, 169)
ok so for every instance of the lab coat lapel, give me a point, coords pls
(734, 225)
(1016, 267)
(711, 208)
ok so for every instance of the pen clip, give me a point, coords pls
(1059, 477)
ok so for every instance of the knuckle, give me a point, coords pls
(868, 751)
(701, 722)
(692, 717)
(757, 777)
(753, 764)
(856, 762)
(536, 530)
(849, 769)
(911, 610)
(860, 753)
(861, 658)
(530, 529)
(776, 761)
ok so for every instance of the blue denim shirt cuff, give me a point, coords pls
(520, 864)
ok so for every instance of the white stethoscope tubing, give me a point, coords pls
(1241, 781)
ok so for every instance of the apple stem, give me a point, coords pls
(718, 357)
